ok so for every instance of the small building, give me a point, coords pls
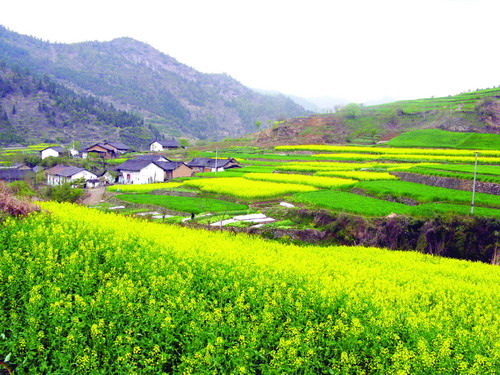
(146, 171)
(174, 169)
(51, 151)
(118, 147)
(13, 174)
(61, 174)
(139, 172)
(169, 144)
(92, 183)
(101, 150)
(212, 165)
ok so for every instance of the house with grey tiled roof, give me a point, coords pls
(168, 144)
(61, 174)
(212, 165)
(55, 151)
(145, 170)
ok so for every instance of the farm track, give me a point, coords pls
(94, 196)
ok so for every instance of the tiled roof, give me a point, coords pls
(168, 165)
(151, 158)
(133, 165)
(209, 163)
(168, 143)
(55, 148)
(9, 174)
(64, 170)
(118, 145)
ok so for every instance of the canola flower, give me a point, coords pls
(358, 175)
(316, 181)
(89, 292)
(245, 188)
(409, 157)
(389, 150)
(144, 188)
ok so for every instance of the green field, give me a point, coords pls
(440, 138)
(94, 293)
(367, 206)
(451, 174)
(424, 193)
(194, 205)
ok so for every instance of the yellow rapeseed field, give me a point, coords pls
(89, 292)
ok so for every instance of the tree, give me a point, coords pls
(258, 124)
(352, 110)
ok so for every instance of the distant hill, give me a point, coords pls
(174, 98)
(37, 109)
(472, 112)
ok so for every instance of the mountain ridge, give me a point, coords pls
(173, 97)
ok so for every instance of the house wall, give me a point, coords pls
(55, 180)
(102, 152)
(84, 174)
(150, 173)
(155, 146)
(49, 152)
(182, 171)
(59, 180)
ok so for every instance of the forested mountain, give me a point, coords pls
(34, 109)
(132, 75)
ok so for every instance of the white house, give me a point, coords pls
(60, 174)
(140, 172)
(157, 146)
(51, 151)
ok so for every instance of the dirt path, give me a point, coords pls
(94, 196)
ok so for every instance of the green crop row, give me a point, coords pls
(425, 193)
(367, 206)
(194, 205)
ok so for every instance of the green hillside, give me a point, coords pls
(463, 102)
(441, 138)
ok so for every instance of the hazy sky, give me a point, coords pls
(355, 49)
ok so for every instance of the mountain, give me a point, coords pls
(37, 109)
(133, 76)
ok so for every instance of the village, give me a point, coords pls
(137, 168)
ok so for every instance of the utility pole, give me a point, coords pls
(216, 160)
(473, 188)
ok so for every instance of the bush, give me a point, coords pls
(63, 193)
(12, 206)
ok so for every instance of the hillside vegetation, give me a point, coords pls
(473, 112)
(37, 109)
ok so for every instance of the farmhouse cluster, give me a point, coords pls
(135, 169)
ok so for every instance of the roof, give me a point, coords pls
(209, 163)
(10, 174)
(151, 158)
(133, 165)
(64, 170)
(168, 165)
(55, 148)
(118, 145)
(100, 145)
(167, 143)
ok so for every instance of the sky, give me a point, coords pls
(358, 50)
